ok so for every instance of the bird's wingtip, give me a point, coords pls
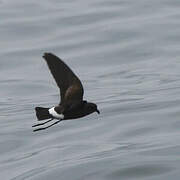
(45, 54)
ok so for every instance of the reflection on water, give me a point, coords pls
(127, 55)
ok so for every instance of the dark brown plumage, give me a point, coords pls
(70, 86)
(72, 105)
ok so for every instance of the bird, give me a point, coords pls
(71, 105)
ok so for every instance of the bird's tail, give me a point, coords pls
(42, 113)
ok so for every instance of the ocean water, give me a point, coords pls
(127, 55)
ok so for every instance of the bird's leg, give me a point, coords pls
(43, 128)
(42, 123)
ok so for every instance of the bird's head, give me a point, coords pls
(91, 107)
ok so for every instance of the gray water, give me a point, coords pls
(127, 54)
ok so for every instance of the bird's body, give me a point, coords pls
(72, 105)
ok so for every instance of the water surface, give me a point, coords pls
(127, 54)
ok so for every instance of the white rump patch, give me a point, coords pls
(55, 114)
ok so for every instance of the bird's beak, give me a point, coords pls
(97, 111)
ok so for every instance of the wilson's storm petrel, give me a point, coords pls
(72, 105)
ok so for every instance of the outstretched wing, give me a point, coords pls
(71, 88)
